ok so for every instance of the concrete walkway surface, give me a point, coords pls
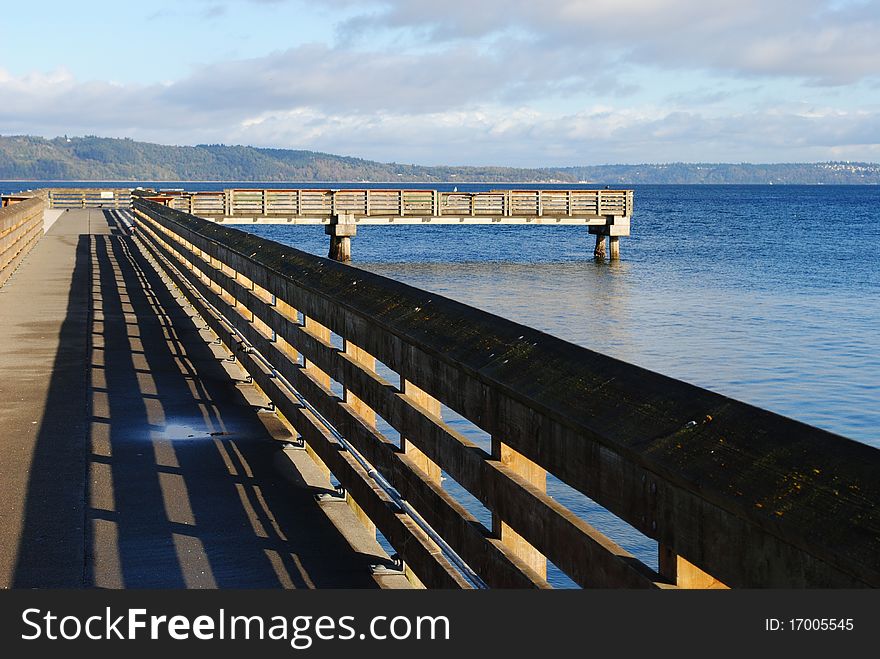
(132, 454)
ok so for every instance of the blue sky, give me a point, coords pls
(512, 82)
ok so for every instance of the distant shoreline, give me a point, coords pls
(96, 159)
(427, 183)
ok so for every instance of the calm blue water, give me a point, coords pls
(768, 294)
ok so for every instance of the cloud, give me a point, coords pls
(214, 10)
(525, 137)
(824, 42)
(55, 103)
(431, 130)
(335, 79)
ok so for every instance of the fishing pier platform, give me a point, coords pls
(188, 405)
(606, 213)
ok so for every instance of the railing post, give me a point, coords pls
(266, 296)
(366, 361)
(225, 295)
(290, 314)
(322, 333)
(435, 203)
(432, 405)
(535, 475)
(215, 265)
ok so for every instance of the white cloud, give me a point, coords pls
(463, 132)
(490, 135)
(824, 42)
(336, 79)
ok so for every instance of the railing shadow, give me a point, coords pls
(181, 485)
(50, 541)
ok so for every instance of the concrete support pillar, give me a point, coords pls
(599, 252)
(615, 226)
(614, 247)
(340, 249)
(342, 229)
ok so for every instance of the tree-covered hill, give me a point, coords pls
(99, 158)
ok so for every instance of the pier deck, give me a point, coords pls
(605, 213)
(133, 454)
(154, 442)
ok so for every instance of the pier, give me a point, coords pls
(187, 404)
(606, 213)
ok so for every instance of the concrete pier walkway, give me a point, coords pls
(133, 454)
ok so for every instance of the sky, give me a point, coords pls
(526, 83)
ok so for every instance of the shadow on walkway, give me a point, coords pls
(178, 471)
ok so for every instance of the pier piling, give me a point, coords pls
(614, 247)
(599, 251)
(342, 229)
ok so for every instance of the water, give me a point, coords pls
(767, 294)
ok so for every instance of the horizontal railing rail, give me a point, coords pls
(21, 225)
(114, 198)
(372, 203)
(375, 203)
(734, 495)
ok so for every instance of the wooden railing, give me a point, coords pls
(403, 203)
(114, 198)
(364, 203)
(21, 225)
(733, 495)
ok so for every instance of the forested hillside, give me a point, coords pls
(99, 158)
